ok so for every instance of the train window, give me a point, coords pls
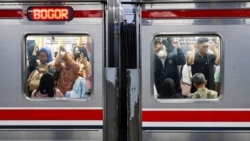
(58, 66)
(186, 67)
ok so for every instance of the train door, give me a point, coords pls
(69, 34)
(169, 33)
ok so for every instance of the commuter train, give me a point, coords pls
(121, 100)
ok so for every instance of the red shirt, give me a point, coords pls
(67, 77)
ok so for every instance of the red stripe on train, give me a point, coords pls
(53, 114)
(196, 116)
(87, 13)
(12, 14)
(19, 14)
(195, 14)
(147, 116)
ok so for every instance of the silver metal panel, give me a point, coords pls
(221, 5)
(51, 1)
(13, 52)
(51, 135)
(184, 1)
(234, 72)
(171, 6)
(195, 136)
(111, 107)
(234, 58)
(234, 68)
(133, 94)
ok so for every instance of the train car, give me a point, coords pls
(180, 27)
(61, 39)
(73, 70)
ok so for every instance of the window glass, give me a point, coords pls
(58, 66)
(186, 67)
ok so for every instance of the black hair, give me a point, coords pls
(46, 85)
(30, 49)
(202, 40)
(157, 39)
(168, 88)
(198, 79)
(168, 44)
(157, 42)
(81, 50)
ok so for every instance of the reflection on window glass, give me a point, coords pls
(186, 67)
(59, 66)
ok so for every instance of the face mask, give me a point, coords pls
(162, 53)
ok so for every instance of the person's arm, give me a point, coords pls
(87, 66)
(32, 62)
(216, 51)
(57, 62)
(180, 58)
(191, 55)
(157, 75)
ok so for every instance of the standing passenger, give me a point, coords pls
(68, 71)
(85, 69)
(38, 66)
(45, 58)
(203, 62)
(166, 67)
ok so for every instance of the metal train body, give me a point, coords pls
(146, 118)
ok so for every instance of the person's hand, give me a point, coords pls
(83, 59)
(60, 48)
(212, 47)
(176, 43)
(36, 48)
(193, 47)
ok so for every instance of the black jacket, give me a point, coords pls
(169, 70)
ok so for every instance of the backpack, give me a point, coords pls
(35, 76)
(34, 80)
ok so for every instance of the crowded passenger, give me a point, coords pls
(168, 90)
(199, 82)
(217, 69)
(40, 57)
(186, 80)
(47, 88)
(166, 67)
(41, 61)
(82, 58)
(68, 69)
(204, 62)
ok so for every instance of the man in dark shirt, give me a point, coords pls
(166, 66)
(204, 62)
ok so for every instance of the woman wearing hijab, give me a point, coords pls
(39, 63)
(40, 58)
